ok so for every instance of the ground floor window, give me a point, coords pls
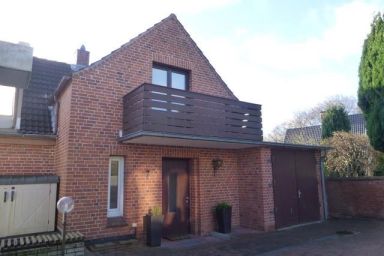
(115, 186)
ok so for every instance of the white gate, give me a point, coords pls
(28, 208)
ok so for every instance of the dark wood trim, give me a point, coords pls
(154, 108)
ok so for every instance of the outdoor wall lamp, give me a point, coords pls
(216, 164)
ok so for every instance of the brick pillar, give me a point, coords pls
(267, 189)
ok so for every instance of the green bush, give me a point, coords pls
(335, 119)
(156, 211)
(350, 155)
(223, 205)
(380, 165)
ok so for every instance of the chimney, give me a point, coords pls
(82, 56)
(322, 113)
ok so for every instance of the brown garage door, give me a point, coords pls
(295, 187)
(307, 184)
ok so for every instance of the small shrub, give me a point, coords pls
(350, 155)
(155, 211)
(223, 205)
(380, 165)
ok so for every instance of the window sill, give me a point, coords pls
(116, 222)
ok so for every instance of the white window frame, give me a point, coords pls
(120, 187)
(8, 121)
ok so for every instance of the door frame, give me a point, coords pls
(188, 162)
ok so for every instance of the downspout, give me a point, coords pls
(325, 198)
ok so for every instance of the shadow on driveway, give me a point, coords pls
(335, 237)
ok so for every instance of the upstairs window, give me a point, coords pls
(7, 106)
(170, 77)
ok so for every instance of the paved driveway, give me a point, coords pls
(335, 237)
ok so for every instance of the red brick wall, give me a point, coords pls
(143, 189)
(361, 197)
(255, 189)
(63, 131)
(26, 157)
(89, 125)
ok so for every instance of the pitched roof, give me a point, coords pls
(311, 135)
(46, 75)
(49, 77)
(171, 18)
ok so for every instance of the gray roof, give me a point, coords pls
(35, 115)
(311, 135)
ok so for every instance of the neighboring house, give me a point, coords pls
(147, 126)
(311, 135)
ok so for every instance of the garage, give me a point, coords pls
(296, 183)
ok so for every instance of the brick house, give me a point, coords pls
(149, 125)
(312, 134)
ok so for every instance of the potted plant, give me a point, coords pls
(154, 226)
(223, 212)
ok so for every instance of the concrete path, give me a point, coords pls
(336, 237)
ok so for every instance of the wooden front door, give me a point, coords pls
(175, 198)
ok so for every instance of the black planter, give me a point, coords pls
(224, 219)
(154, 226)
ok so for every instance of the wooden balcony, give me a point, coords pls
(160, 115)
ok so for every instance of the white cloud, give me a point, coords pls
(261, 68)
(57, 28)
(288, 76)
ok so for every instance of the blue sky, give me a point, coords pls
(285, 55)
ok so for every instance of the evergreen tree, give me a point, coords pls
(371, 83)
(335, 119)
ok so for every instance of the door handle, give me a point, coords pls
(12, 195)
(299, 193)
(5, 196)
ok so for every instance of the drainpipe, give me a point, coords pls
(325, 198)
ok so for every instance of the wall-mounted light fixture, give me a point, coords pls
(216, 164)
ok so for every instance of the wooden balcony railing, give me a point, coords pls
(167, 111)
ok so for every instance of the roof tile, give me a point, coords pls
(311, 135)
(46, 75)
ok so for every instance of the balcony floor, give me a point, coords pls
(152, 138)
(177, 140)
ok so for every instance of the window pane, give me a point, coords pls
(172, 185)
(7, 100)
(159, 77)
(178, 81)
(113, 189)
